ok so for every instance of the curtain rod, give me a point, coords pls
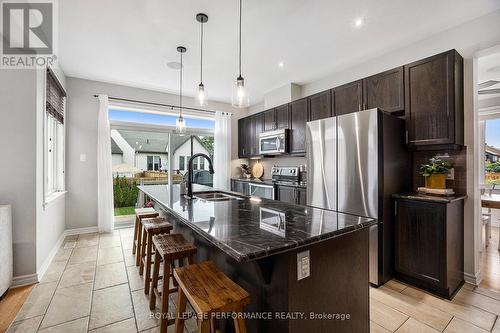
(160, 104)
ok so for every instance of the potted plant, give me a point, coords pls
(435, 172)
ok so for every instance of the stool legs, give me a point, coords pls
(239, 323)
(137, 223)
(149, 255)
(142, 251)
(181, 309)
(154, 283)
(139, 237)
(164, 296)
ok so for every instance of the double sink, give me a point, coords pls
(216, 196)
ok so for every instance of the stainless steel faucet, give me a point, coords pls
(190, 172)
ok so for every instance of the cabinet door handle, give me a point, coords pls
(359, 107)
(406, 136)
(395, 208)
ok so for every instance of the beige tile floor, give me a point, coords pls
(93, 285)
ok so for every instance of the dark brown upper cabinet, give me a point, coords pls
(385, 91)
(298, 120)
(257, 127)
(243, 136)
(320, 105)
(282, 116)
(434, 102)
(269, 120)
(347, 98)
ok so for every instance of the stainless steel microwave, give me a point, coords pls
(273, 142)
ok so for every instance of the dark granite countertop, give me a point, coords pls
(246, 229)
(429, 198)
(271, 182)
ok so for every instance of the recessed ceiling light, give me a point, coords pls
(281, 64)
(174, 65)
(359, 22)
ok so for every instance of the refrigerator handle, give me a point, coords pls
(359, 107)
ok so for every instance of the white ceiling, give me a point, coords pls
(130, 42)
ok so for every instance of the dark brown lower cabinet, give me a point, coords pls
(429, 244)
(240, 186)
(291, 194)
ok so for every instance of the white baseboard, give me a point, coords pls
(474, 279)
(45, 265)
(23, 280)
(78, 231)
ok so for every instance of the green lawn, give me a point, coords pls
(124, 211)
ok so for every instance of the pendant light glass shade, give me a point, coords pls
(240, 97)
(201, 96)
(180, 125)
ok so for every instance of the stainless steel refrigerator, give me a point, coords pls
(355, 163)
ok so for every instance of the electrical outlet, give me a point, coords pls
(83, 158)
(303, 265)
(451, 174)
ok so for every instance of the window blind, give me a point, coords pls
(55, 96)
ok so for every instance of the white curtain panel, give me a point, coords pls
(105, 218)
(222, 151)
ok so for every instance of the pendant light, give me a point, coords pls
(180, 125)
(201, 95)
(239, 96)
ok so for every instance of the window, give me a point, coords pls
(181, 163)
(195, 163)
(154, 163)
(202, 163)
(54, 136)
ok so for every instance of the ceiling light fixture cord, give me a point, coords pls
(201, 58)
(180, 89)
(240, 38)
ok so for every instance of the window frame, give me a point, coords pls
(54, 148)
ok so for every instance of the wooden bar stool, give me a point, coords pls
(140, 213)
(150, 227)
(209, 291)
(168, 248)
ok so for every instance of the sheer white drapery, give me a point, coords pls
(105, 215)
(222, 151)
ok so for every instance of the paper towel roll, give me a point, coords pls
(5, 248)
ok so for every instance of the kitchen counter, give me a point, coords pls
(238, 227)
(295, 261)
(429, 198)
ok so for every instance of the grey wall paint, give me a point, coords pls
(81, 128)
(17, 166)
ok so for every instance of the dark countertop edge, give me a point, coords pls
(267, 182)
(428, 198)
(264, 253)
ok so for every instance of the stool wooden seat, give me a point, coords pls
(140, 213)
(209, 291)
(168, 248)
(150, 227)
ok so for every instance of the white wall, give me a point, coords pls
(141, 160)
(185, 150)
(116, 159)
(17, 165)
(128, 156)
(81, 177)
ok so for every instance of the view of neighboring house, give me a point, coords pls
(148, 151)
(492, 154)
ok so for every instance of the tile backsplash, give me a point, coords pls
(457, 158)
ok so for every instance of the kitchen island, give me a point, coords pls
(305, 268)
